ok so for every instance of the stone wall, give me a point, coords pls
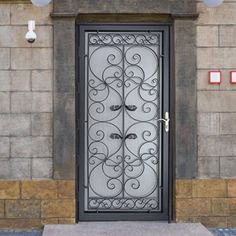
(28, 97)
(25, 92)
(216, 49)
(32, 203)
(211, 202)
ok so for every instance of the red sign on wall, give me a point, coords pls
(215, 77)
(233, 77)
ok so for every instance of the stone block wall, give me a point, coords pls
(34, 203)
(26, 114)
(26, 99)
(211, 202)
(210, 199)
(216, 50)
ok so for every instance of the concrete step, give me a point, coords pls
(126, 229)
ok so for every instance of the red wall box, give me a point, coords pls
(214, 77)
(233, 77)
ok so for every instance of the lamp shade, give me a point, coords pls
(213, 3)
(41, 3)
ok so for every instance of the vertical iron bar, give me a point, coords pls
(123, 120)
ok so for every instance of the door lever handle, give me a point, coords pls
(166, 120)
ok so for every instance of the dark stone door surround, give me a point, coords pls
(181, 14)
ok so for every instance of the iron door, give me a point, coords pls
(123, 159)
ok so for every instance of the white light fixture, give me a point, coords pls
(40, 3)
(31, 35)
(213, 3)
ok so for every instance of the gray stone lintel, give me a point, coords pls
(183, 13)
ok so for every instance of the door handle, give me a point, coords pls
(166, 120)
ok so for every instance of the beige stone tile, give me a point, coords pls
(5, 14)
(231, 187)
(228, 167)
(42, 168)
(212, 221)
(22, 209)
(220, 207)
(224, 14)
(42, 124)
(215, 58)
(20, 81)
(217, 146)
(42, 80)
(183, 188)
(4, 102)
(216, 101)
(31, 147)
(207, 36)
(193, 207)
(31, 58)
(5, 81)
(4, 148)
(228, 35)
(227, 123)
(42, 189)
(56, 208)
(209, 188)
(208, 123)
(20, 224)
(4, 58)
(66, 189)
(9, 189)
(208, 167)
(42, 102)
(21, 13)
(21, 102)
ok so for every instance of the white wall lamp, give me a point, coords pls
(40, 3)
(213, 3)
(31, 35)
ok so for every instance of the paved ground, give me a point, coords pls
(216, 232)
(224, 232)
(126, 229)
(20, 233)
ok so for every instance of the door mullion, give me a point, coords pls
(123, 121)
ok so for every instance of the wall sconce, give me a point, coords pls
(40, 3)
(31, 35)
(213, 3)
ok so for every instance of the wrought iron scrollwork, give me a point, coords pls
(131, 136)
(116, 136)
(128, 136)
(131, 107)
(115, 107)
(123, 69)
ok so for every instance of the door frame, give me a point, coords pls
(80, 108)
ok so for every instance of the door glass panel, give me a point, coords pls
(123, 135)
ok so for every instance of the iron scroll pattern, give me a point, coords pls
(123, 165)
